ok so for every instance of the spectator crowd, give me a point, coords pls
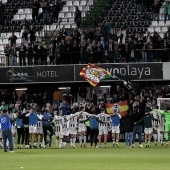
(89, 46)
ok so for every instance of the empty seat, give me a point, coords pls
(1, 41)
(52, 27)
(20, 11)
(18, 41)
(27, 10)
(65, 9)
(68, 15)
(61, 15)
(16, 17)
(151, 29)
(82, 3)
(164, 29)
(154, 23)
(76, 3)
(29, 16)
(69, 3)
(161, 23)
(158, 29)
(21, 17)
(72, 8)
(5, 40)
(67, 26)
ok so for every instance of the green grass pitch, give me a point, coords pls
(154, 158)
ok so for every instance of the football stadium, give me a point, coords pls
(85, 84)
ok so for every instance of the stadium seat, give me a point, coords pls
(65, 9)
(82, 3)
(72, 8)
(68, 15)
(69, 3)
(20, 11)
(76, 3)
(61, 15)
(164, 29)
(5, 41)
(151, 29)
(27, 11)
(1, 41)
(158, 29)
(16, 17)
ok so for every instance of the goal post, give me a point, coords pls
(163, 103)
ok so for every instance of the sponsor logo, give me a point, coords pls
(94, 74)
(131, 71)
(13, 76)
(116, 107)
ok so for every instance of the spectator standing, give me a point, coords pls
(7, 52)
(12, 39)
(24, 35)
(32, 33)
(139, 6)
(52, 53)
(25, 24)
(57, 96)
(44, 51)
(29, 54)
(156, 8)
(77, 18)
(46, 11)
(56, 9)
(22, 52)
(83, 93)
(83, 56)
(13, 54)
(110, 49)
(36, 52)
(35, 10)
(1, 13)
(166, 10)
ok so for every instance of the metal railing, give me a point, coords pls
(84, 57)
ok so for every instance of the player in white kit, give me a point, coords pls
(72, 129)
(65, 130)
(39, 129)
(103, 127)
(82, 115)
(157, 127)
(58, 121)
(14, 128)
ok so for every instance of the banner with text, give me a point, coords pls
(39, 74)
(141, 71)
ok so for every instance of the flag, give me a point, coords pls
(122, 106)
(93, 74)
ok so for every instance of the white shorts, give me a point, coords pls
(103, 130)
(14, 129)
(148, 131)
(115, 129)
(72, 131)
(82, 127)
(65, 132)
(158, 128)
(39, 131)
(0, 133)
(59, 134)
(32, 129)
